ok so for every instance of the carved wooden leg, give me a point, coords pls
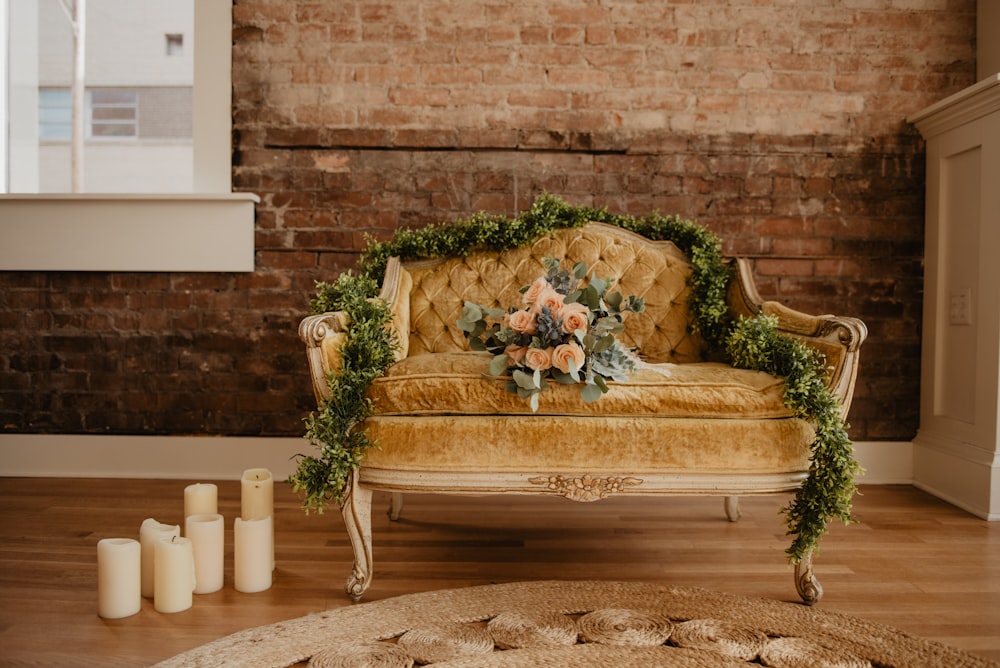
(806, 583)
(733, 508)
(395, 506)
(357, 511)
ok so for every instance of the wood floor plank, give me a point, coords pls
(913, 561)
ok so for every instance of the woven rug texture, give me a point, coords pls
(558, 623)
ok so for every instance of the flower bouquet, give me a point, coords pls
(565, 331)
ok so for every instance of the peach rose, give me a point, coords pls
(538, 359)
(515, 354)
(566, 352)
(575, 316)
(551, 299)
(535, 289)
(522, 321)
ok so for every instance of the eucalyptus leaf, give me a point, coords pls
(524, 380)
(590, 393)
(604, 343)
(498, 365)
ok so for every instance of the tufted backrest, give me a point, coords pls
(656, 271)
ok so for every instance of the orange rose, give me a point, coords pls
(538, 359)
(575, 316)
(523, 322)
(536, 289)
(566, 352)
(515, 354)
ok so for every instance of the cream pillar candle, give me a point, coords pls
(119, 577)
(257, 499)
(206, 532)
(201, 498)
(175, 578)
(252, 546)
(149, 532)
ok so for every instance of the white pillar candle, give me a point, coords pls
(175, 579)
(206, 532)
(150, 532)
(119, 577)
(257, 499)
(252, 546)
(201, 498)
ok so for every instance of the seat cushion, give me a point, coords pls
(579, 444)
(458, 383)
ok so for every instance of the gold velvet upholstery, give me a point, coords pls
(454, 383)
(657, 273)
(588, 444)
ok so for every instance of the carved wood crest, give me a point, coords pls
(586, 487)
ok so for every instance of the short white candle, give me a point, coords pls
(207, 533)
(119, 577)
(257, 499)
(175, 579)
(150, 532)
(201, 498)
(252, 546)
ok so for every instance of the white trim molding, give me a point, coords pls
(203, 232)
(168, 457)
(226, 457)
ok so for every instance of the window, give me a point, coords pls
(54, 114)
(113, 113)
(205, 227)
(175, 45)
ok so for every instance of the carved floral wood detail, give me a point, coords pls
(586, 487)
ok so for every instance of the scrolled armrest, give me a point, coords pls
(323, 335)
(838, 338)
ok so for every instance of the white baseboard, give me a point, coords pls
(885, 462)
(174, 457)
(226, 457)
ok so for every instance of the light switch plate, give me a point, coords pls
(960, 307)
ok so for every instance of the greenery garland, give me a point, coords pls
(752, 343)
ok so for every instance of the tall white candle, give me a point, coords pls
(257, 499)
(252, 546)
(201, 498)
(119, 577)
(150, 532)
(175, 579)
(207, 533)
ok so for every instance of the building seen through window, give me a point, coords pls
(138, 91)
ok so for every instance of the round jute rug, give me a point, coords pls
(576, 624)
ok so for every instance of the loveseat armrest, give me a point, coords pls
(324, 334)
(838, 338)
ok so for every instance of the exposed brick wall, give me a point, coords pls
(780, 125)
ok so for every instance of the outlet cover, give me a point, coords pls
(960, 307)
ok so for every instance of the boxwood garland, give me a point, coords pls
(753, 343)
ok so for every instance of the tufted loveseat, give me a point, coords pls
(444, 425)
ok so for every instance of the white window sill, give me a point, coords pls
(201, 232)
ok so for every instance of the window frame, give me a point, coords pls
(209, 229)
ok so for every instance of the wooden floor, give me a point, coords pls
(913, 562)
